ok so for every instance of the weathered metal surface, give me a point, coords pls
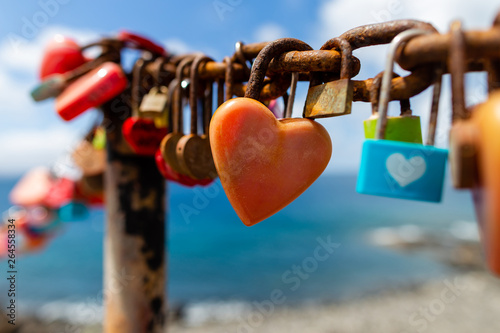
(333, 98)
(456, 64)
(134, 245)
(261, 63)
(435, 47)
(329, 99)
(381, 33)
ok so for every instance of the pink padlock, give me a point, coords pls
(91, 90)
(32, 189)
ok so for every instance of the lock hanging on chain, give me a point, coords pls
(335, 97)
(405, 127)
(401, 169)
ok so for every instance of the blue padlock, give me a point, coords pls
(402, 169)
(73, 212)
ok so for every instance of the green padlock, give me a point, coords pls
(402, 128)
(405, 127)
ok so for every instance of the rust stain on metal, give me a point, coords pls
(323, 100)
(134, 247)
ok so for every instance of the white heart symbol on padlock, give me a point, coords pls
(405, 171)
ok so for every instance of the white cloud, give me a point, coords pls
(177, 46)
(269, 32)
(31, 134)
(25, 56)
(23, 149)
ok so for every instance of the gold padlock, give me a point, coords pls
(333, 98)
(154, 103)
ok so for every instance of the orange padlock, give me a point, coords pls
(487, 191)
(264, 163)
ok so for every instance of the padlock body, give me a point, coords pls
(91, 90)
(73, 211)
(154, 103)
(142, 135)
(487, 193)
(402, 128)
(402, 170)
(329, 100)
(61, 55)
(51, 87)
(464, 151)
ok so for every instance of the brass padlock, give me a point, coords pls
(154, 103)
(333, 98)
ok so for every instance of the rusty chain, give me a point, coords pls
(419, 55)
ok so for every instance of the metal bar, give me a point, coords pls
(294, 61)
(434, 48)
(134, 245)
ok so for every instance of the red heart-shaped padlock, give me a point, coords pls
(61, 55)
(264, 163)
(143, 135)
(170, 174)
(91, 90)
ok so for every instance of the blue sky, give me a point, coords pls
(32, 134)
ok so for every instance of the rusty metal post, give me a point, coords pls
(134, 245)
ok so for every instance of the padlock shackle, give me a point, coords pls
(261, 63)
(158, 69)
(171, 106)
(374, 96)
(345, 49)
(194, 89)
(229, 78)
(178, 114)
(291, 97)
(137, 72)
(208, 99)
(436, 95)
(385, 89)
(239, 55)
(456, 64)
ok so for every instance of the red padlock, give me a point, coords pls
(91, 90)
(61, 55)
(141, 131)
(143, 135)
(141, 42)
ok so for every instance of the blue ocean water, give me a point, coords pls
(213, 256)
